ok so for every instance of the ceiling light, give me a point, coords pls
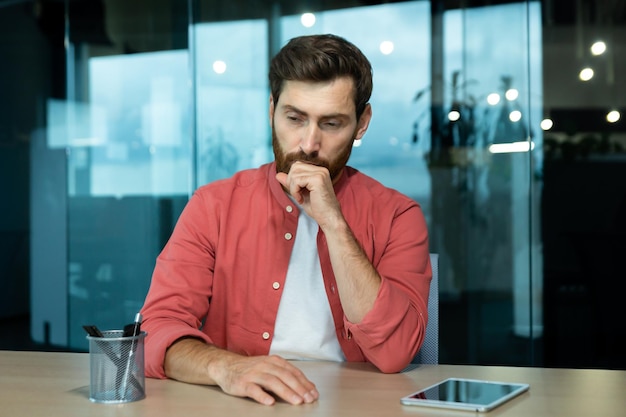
(522, 146)
(307, 20)
(613, 116)
(454, 115)
(386, 47)
(219, 67)
(511, 94)
(515, 116)
(586, 74)
(546, 124)
(493, 99)
(598, 48)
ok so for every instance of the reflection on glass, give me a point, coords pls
(146, 101)
(129, 164)
(482, 221)
(232, 123)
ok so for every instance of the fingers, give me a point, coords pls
(260, 377)
(302, 179)
(305, 181)
(312, 188)
(290, 384)
(305, 173)
(259, 395)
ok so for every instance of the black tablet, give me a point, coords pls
(465, 394)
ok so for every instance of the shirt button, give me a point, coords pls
(276, 285)
(266, 335)
(289, 209)
(288, 236)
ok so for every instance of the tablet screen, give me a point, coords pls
(466, 394)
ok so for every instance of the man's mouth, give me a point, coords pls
(307, 159)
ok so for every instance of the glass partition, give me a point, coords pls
(487, 140)
(231, 88)
(124, 131)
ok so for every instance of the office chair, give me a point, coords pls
(429, 352)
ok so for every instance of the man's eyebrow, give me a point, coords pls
(288, 107)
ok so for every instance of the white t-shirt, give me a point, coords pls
(304, 328)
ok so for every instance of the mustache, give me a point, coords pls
(304, 157)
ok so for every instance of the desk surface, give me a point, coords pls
(56, 384)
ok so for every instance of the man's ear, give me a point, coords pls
(271, 113)
(364, 122)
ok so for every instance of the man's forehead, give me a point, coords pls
(337, 95)
(337, 82)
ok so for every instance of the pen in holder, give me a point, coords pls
(116, 366)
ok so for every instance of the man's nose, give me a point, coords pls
(311, 139)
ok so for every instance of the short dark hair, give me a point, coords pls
(322, 58)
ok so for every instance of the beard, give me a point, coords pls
(285, 160)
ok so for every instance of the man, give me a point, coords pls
(303, 258)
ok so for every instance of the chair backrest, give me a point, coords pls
(429, 353)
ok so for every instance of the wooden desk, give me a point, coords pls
(37, 384)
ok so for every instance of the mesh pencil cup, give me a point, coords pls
(116, 367)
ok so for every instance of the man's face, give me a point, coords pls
(316, 123)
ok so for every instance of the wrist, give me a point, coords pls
(335, 225)
(191, 360)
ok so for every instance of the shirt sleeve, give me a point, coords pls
(181, 287)
(391, 334)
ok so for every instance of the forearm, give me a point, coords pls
(192, 360)
(394, 327)
(358, 281)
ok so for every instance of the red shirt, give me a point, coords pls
(220, 276)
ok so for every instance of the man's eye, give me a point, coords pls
(332, 124)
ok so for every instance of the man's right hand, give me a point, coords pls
(257, 377)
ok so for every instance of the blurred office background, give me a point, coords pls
(503, 119)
